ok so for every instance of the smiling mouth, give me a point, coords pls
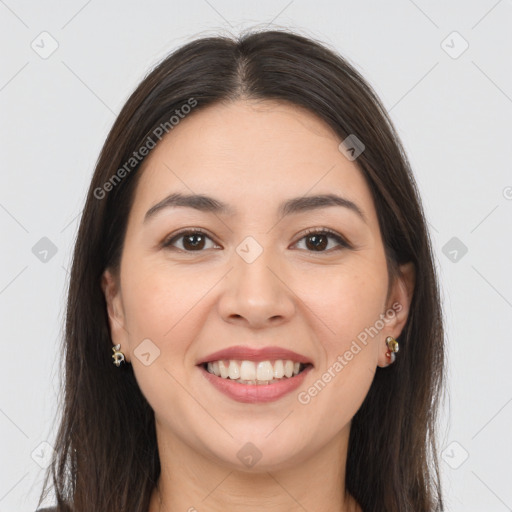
(255, 373)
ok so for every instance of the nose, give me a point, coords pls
(257, 294)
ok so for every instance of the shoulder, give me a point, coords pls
(50, 509)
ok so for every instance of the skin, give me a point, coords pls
(190, 304)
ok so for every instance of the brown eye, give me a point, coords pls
(318, 240)
(197, 240)
(192, 241)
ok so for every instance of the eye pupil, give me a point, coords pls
(196, 244)
(316, 243)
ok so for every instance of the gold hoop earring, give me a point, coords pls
(117, 356)
(393, 347)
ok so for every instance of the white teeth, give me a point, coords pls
(250, 372)
(234, 370)
(288, 368)
(278, 369)
(265, 370)
(223, 370)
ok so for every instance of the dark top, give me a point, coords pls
(51, 509)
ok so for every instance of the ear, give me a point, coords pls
(112, 291)
(399, 302)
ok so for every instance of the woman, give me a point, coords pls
(253, 319)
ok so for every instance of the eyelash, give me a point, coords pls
(315, 231)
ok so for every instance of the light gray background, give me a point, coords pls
(452, 111)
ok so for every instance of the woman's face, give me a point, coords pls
(254, 278)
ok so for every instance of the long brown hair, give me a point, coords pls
(106, 450)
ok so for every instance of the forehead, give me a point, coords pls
(246, 152)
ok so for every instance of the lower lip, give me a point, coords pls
(256, 393)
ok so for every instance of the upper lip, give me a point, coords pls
(241, 352)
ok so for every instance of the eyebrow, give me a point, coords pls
(291, 206)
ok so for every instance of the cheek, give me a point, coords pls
(349, 303)
(163, 307)
(349, 299)
(158, 299)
